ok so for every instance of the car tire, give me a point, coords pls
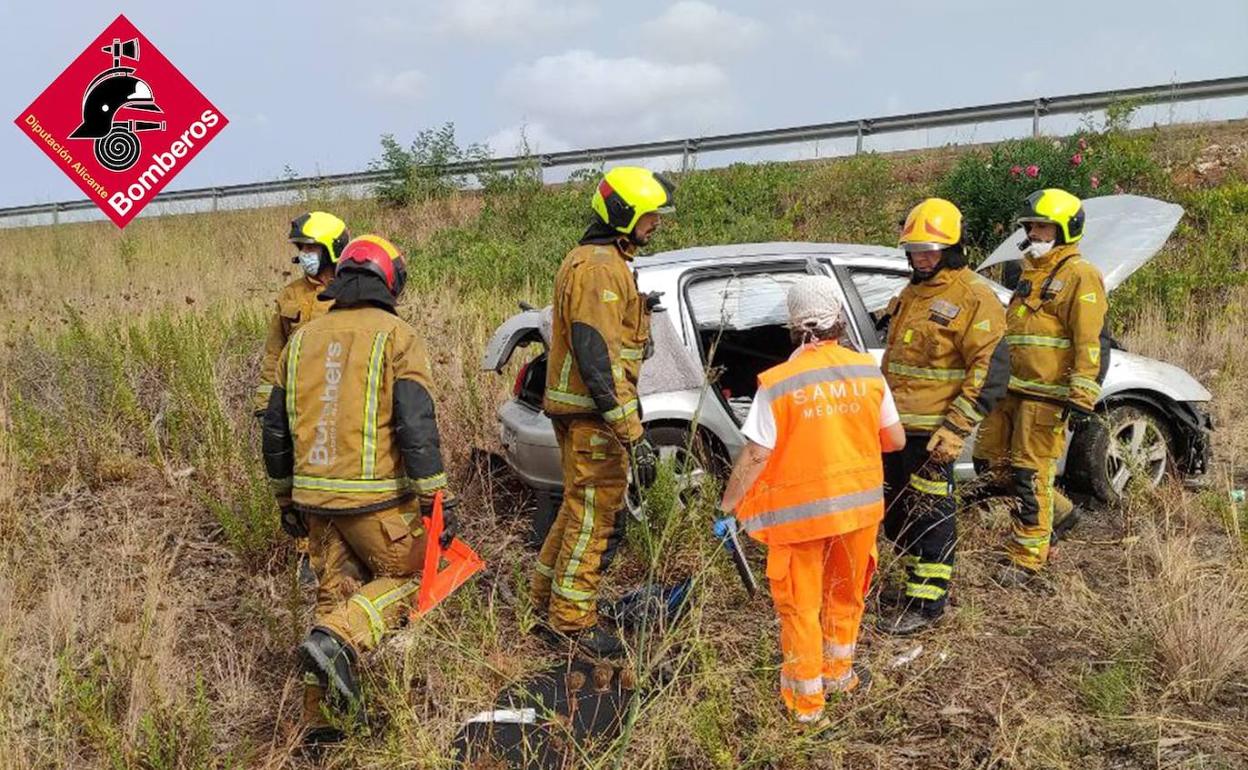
(1124, 445)
(675, 443)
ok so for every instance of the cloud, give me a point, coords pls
(495, 20)
(407, 85)
(816, 34)
(693, 30)
(592, 99)
(838, 48)
(535, 137)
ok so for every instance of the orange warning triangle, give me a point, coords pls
(462, 563)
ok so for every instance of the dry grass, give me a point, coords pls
(1195, 608)
(148, 606)
(1212, 344)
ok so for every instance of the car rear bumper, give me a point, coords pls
(529, 445)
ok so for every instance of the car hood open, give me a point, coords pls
(1122, 233)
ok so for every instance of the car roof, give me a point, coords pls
(847, 253)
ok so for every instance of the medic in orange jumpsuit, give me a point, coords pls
(809, 485)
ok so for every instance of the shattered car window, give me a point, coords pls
(877, 288)
(742, 301)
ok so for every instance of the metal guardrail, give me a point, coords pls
(688, 148)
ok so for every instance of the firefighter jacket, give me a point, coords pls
(825, 475)
(1057, 330)
(297, 304)
(599, 336)
(945, 360)
(350, 428)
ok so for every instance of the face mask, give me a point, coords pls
(310, 261)
(1037, 249)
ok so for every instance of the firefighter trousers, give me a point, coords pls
(368, 569)
(920, 521)
(819, 588)
(1019, 444)
(587, 530)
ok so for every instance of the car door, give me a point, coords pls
(869, 290)
(738, 308)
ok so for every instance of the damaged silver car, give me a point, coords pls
(723, 324)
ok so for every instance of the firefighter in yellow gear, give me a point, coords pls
(320, 238)
(600, 334)
(352, 449)
(1059, 353)
(947, 366)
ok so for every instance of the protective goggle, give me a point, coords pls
(923, 246)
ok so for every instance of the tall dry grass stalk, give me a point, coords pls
(1192, 600)
(1212, 345)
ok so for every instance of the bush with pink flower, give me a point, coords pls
(990, 185)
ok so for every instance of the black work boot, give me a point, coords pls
(333, 662)
(1010, 575)
(892, 596)
(599, 642)
(1067, 523)
(911, 620)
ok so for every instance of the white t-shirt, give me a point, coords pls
(760, 423)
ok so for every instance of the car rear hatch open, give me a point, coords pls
(1122, 233)
(521, 330)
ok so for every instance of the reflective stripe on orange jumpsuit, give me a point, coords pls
(1059, 353)
(946, 365)
(817, 505)
(599, 336)
(352, 437)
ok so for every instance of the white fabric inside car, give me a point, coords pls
(672, 367)
(737, 302)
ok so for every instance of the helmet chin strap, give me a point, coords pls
(918, 276)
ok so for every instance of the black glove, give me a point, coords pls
(1077, 417)
(293, 522)
(645, 463)
(450, 525)
(652, 300)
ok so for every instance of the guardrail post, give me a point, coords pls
(216, 199)
(864, 128)
(684, 155)
(56, 213)
(1037, 109)
(542, 162)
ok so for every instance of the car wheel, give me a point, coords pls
(1122, 447)
(690, 458)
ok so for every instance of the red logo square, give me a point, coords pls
(121, 121)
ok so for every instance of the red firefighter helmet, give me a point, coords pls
(376, 255)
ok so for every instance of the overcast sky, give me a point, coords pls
(312, 85)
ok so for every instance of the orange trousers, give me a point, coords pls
(819, 588)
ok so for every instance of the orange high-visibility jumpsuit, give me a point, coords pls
(817, 505)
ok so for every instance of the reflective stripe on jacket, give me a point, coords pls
(296, 305)
(945, 361)
(825, 475)
(1059, 342)
(599, 333)
(359, 418)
